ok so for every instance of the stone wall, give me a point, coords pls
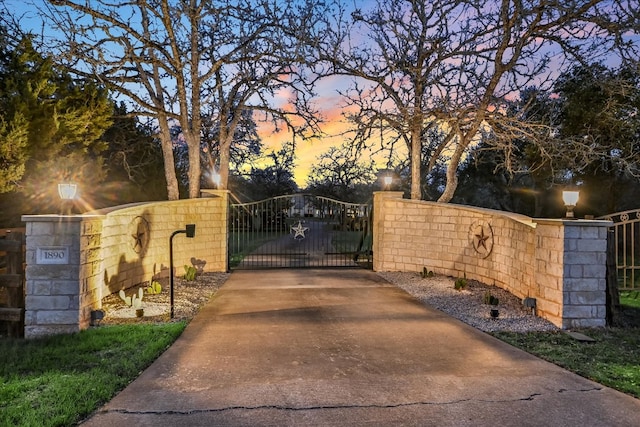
(560, 263)
(75, 261)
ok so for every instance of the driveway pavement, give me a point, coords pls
(345, 348)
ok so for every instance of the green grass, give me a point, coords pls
(612, 360)
(60, 380)
(630, 298)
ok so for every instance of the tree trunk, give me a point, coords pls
(173, 192)
(416, 157)
(452, 174)
(195, 169)
(225, 155)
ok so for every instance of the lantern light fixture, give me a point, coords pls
(67, 191)
(570, 198)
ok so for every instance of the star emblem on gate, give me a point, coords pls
(299, 231)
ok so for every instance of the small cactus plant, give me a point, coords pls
(460, 284)
(134, 300)
(190, 273)
(425, 273)
(154, 288)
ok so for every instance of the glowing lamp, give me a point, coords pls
(570, 199)
(67, 191)
(388, 180)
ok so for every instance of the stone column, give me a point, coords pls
(585, 274)
(52, 299)
(378, 229)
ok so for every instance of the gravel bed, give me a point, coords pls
(189, 297)
(468, 304)
(438, 292)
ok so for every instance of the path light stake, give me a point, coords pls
(190, 231)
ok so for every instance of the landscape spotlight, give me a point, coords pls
(570, 199)
(190, 231)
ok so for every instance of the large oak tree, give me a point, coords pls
(178, 60)
(455, 66)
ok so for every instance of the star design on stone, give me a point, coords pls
(299, 231)
(482, 239)
(138, 238)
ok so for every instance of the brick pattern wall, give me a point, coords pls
(562, 264)
(102, 259)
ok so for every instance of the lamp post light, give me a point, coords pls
(190, 231)
(570, 199)
(67, 192)
(385, 178)
(388, 180)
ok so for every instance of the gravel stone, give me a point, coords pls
(468, 304)
(438, 292)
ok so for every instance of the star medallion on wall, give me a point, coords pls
(140, 234)
(481, 237)
(299, 231)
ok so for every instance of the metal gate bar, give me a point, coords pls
(626, 230)
(299, 231)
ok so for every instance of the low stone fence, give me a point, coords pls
(560, 263)
(74, 261)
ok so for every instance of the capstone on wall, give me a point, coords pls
(75, 261)
(560, 263)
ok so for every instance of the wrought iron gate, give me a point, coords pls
(299, 231)
(626, 229)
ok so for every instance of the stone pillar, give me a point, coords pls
(52, 302)
(378, 229)
(585, 274)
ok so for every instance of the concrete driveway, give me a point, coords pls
(345, 348)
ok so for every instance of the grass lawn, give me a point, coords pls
(59, 381)
(613, 360)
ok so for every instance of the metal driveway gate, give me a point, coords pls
(626, 229)
(299, 231)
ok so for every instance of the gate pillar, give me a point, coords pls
(383, 222)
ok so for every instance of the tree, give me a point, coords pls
(45, 117)
(176, 60)
(275, 178)
(599, 108)
(340, 175)
(455, 66)
(133, 160)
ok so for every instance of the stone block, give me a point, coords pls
(51, 302)
(579, 312)
(583, 284)
(58, 317)
(587, 298)
(594, 271)
(590, 232)
(64, 287)
(591, 245)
